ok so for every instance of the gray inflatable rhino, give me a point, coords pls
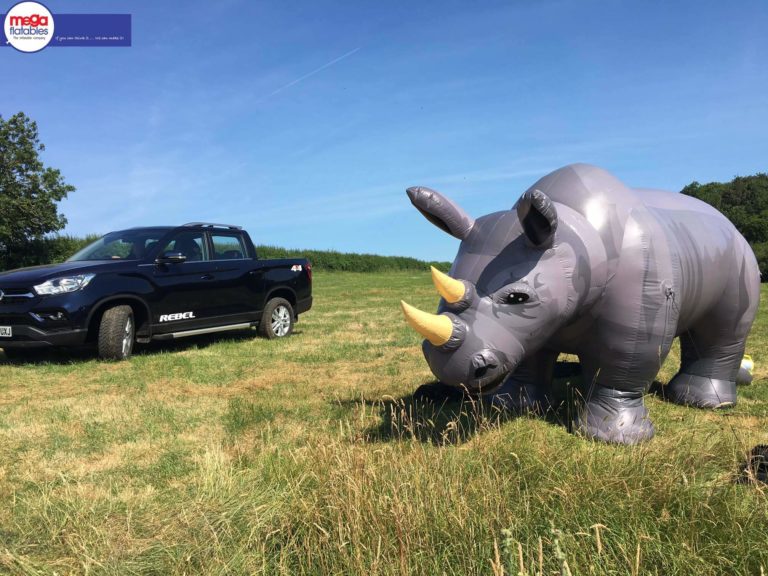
(586, 265)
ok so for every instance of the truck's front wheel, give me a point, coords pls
(117, 333)
(277, 320)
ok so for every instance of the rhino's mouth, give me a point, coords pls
(489, 384)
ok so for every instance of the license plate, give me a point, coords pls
(6, 331)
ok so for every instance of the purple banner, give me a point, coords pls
(87, 30)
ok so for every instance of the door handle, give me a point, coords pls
(206, 277)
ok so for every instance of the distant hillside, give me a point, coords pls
(59, 248)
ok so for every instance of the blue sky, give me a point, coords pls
(305, 121)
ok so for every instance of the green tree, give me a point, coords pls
(29, 193)
(744, 201)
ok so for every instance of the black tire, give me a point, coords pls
(117, 333)
(277, 319)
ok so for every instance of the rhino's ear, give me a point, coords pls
(538, 216)
(441, 211)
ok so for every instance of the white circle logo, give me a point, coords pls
(28, 26)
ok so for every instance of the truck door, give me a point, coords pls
(185, 288)
(234, 267)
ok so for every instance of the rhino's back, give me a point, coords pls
(607, 202)
(694, 228)
(581, 186)
(674, 201)
(597, 195)
(685, 242)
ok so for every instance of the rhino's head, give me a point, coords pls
(509, 289)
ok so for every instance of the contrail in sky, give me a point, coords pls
(308, 74)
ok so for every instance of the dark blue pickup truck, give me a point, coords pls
(154, 283)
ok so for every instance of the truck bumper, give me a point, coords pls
(32, 337)
(41, 322)
(303, 305)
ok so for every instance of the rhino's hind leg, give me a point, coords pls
(701, 391)
(707, 377)
(527, 388)
(712, 349)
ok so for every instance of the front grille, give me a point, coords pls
(16, 294)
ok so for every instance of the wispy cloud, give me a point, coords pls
(307, 75)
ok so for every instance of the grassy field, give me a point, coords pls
(236, 455)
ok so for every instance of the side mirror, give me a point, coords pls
(171, 257)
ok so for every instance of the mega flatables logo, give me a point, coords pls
(28, 26)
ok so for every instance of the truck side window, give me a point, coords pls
(191, 244)
(228, 247)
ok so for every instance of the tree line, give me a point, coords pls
(744, 201)
(30, 193)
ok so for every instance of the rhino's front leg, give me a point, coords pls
(527, 388)
(614, 410)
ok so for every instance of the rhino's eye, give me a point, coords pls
(518, 298)
(518, 293)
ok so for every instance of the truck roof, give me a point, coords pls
(209, 225)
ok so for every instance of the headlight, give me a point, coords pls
(63, 285)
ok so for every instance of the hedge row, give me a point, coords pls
(350, 261)
(44, 251)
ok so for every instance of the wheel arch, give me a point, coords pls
(141, 314)
(282, 292)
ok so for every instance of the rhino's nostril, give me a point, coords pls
(482, 371)
(483, 363)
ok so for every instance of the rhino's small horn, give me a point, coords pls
(437, 328)
(450, 289)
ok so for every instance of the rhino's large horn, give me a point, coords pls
(437, 328)
(450, 289)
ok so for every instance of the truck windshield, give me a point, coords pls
(127, 245)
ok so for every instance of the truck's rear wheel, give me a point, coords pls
(277, 320)
(117, 333)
